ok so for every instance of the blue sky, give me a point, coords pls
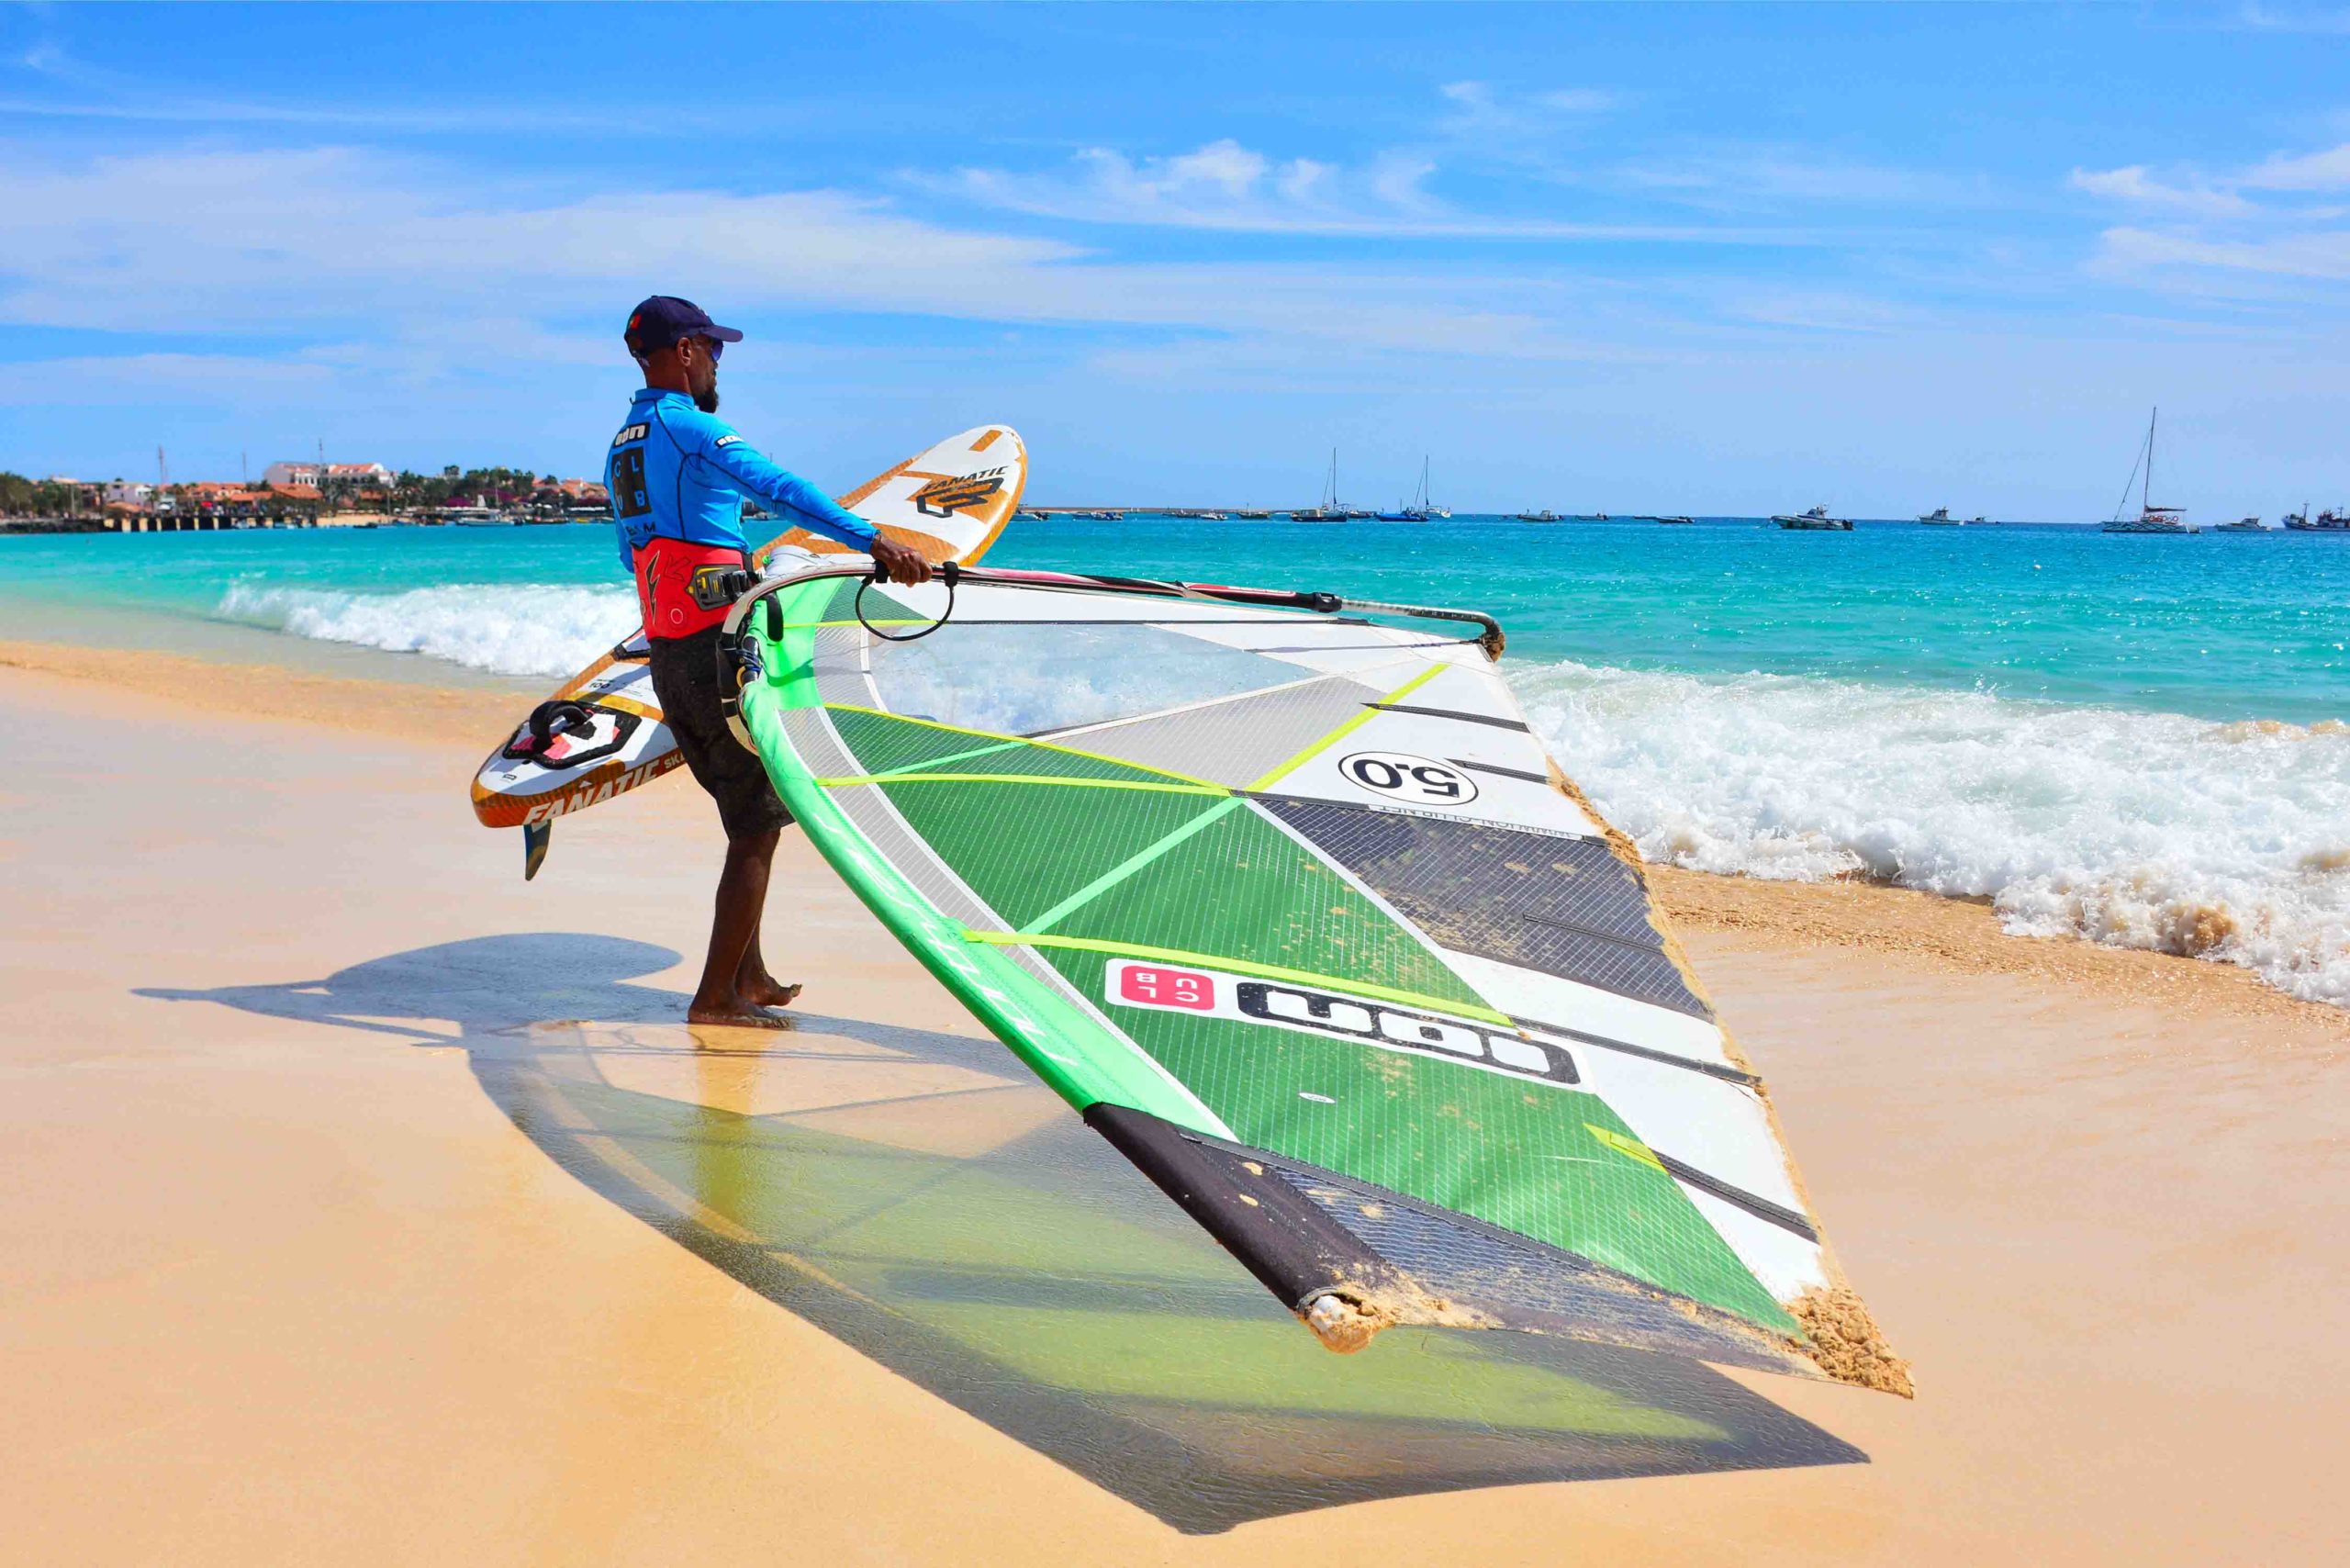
(1701, 259)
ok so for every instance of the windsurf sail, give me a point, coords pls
(1281, 892)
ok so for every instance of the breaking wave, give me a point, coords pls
(528, 629)
(2226, 841)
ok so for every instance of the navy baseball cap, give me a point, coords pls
(664, 318)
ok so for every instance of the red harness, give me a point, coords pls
(678, 584)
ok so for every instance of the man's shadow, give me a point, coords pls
(920, 1197)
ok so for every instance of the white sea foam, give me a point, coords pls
(528, 630)
(2142, 830)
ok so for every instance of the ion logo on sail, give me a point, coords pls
(1399, 776)
(1167, 987)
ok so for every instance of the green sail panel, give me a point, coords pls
(1387, 1016)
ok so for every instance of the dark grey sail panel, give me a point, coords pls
(1553, 903)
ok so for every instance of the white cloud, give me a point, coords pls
(2134, 184)
(1482, 113)
(82, 91)
(1219, 186)
(155, 378)
(190, 241)
(410, 271)
(2326, 170)
(2256, 17)
(2321, 255)
(2253, 222)
(1731, 177)
(1224, 186)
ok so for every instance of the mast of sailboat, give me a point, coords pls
(2146, 494)
(2140, 458)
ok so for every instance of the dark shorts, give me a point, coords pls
(685, 678)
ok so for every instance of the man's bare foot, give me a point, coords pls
(767, 991)
(737, 1013)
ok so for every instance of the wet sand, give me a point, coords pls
(368, 1204)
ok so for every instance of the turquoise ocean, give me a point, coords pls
(2144, 741)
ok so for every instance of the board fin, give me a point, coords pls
(535, 838)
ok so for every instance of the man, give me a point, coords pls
(677, 476)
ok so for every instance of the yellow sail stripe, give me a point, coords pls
(1314, 748)
(1631, 1148)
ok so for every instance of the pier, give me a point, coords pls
(166, 522)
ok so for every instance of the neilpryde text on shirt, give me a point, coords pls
(676, 474)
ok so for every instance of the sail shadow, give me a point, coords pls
(918, 1196)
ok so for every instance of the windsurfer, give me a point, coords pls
(677, 476)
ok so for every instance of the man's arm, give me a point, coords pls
(779, 489)
(753, 473)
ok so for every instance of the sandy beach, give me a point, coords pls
(366, 1205)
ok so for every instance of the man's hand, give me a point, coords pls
(901, 562)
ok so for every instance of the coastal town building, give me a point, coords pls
(215, 499)
(573, 492)
(316, 475)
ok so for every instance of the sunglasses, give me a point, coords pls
(717, 349)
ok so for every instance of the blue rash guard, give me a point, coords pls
(676, 473)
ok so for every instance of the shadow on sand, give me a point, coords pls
(920, 1197)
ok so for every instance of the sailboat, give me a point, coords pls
(1330, 510)
(2151, 519)
(1419, 508)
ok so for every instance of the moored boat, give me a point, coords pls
(1815, 521)
(1419, 508)
(1331, 509)
(2151, 519)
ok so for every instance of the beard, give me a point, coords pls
(706, 398)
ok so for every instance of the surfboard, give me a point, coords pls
(601, 734)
